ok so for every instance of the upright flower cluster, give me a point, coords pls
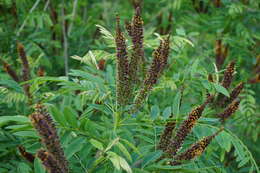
(231, 108)
(228, 75)
(234, 94)
(49, 161)
(185, 128)
(160, 57)
(26, 68)
(171, 145)
(25, 64)
(195, 150)
(123, 88)
(43, 123)
(135, 31)
(166, 135)
(127, 71)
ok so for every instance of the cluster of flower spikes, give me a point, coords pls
(25, 70)
(171, 145)
(53, 157)
(195, 150)
(232, 102)
(129, 70)
(185, 128)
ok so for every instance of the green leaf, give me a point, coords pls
(96, 144)
(23, 168)
(221, 89)
(167, 112)
(58, 116)
(243, 162)
(131, 146)
(119, 162)
(16, 118)
(151, 157)
(114, 159)
(111, 144)
(155, 111)
(176, 104)
(75, 146)
(124, 151)
(206, 84)
(123, 163)
(87, 76)
(71, 117)
(194, 67)
(38, 166)
(32, 134)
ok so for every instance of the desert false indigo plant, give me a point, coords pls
(128, 71)
(53, 157)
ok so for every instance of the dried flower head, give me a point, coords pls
(233, 95)
(128, 27)
(185, 128)
(229, 110)
(23, 57)
(135, 30)
(43, 123)
(195, 150)
(123, 88)
(28, 156)
(166, 135)
(49, 162)
(8, 69)
(221, 53)
(26, 68)
(228, 75)
(160, 57)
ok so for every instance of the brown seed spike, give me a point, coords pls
(22, 55)
(229, 110)
(28, 156)
(160, 56)
(234, 94)
(49, 162)
(218, 54)
(196, 149)
(10, 71)
(228, 75)
(165, 53)
(123, 84)
(166, 135)
(128, 27)
(136, 34)
(43, 123)
(185, 128)
(26, 68)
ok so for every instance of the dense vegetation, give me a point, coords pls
(129, 86)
